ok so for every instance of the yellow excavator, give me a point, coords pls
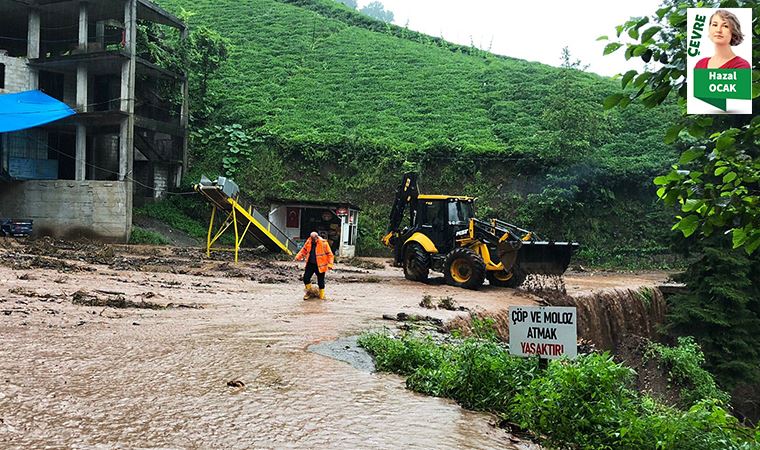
(443, 235)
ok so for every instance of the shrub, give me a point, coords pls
(405, 355)
(143, 236)
(169, 212)
(582, 402)
(585, 403)
(487, 377)
(684, 366)
(704, 426)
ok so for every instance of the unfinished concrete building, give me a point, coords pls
(127, 144)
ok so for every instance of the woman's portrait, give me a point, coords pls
(724, 30)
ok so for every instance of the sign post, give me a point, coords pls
(549, 332)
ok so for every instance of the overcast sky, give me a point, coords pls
(534, 31)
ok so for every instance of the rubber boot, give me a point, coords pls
(321, 294)
(307, 291)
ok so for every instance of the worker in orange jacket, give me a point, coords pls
(319, 259)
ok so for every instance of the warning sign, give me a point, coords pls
(547, 331)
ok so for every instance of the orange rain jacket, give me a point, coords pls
(325, 257)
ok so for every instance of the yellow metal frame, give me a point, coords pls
(234, 217)
(231, 219)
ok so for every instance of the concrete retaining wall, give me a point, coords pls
(70, 209)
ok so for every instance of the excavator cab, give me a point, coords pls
(444, 235)
(440, 217)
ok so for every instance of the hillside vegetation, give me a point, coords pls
(334, 105)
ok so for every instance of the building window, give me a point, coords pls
(2, 76)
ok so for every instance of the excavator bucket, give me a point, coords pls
(545, 258)
(508, 251)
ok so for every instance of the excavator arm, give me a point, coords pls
(407, 193)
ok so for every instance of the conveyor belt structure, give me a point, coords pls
(223, 195)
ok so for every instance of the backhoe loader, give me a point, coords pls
(443, 235)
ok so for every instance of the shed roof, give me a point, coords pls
(290, 201)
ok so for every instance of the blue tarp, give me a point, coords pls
(30, 109)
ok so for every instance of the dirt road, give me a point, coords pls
(223, 362)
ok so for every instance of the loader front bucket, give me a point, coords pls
(545, 258)
(508, 251)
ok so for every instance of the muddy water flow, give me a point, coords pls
(83, 377)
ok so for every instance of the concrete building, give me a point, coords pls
(335, 221)
(127, 144)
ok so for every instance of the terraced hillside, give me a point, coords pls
(337, 106)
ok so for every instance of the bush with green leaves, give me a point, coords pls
(588, 402)
(707, 425)
(486, 377)
(683, 364)
(142, 236)
(184, 214)
(578, 402)
(403, 355)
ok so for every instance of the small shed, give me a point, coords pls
(335, 221)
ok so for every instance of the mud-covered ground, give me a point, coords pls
(146, 347)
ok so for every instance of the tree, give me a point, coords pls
(573, 122)
(716, 183)
(722, 310)
(350, 3)
(207, 51)
(568, 63)
(377, 10)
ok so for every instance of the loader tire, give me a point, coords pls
(464, 268)
(518, 276)
(416, 262)
(500, 278)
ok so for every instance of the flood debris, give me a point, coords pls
(24, 292)
(427, 302)
(85, 298)
(184, 306)
(20, 261)
(102, 291)
(361, 263)
(369, 279)
(404, 317)
(466, 325)
(230, 271)
(447, 303)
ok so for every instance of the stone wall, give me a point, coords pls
(17, 74)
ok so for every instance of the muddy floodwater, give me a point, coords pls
(224, 360)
